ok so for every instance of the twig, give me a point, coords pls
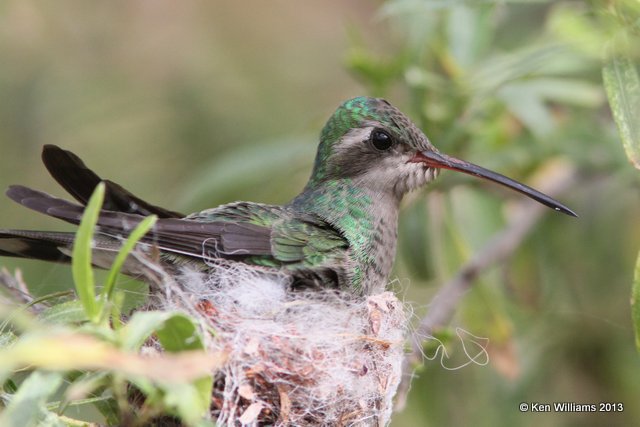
(497, 250)
(14, 285)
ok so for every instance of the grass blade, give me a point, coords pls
(81, 267)
(124, 252)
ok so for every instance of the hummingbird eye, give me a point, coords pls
(381, 140)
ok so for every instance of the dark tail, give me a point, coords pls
(42, 245)
(80, 181)
(174, 235)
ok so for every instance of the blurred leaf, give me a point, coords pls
(175, 330)
(27, 406)
(527, 100)
(7, 338)
(109, 410)
(413, 238)
(476, 217)
(635, 302)
(622, 84)
(569, 23)
(188, 401)
(64, 350)
(96, 385)
(504, 359)
(409, 6)
(498, 69)
(9, 387)
(576, 92)
(53, 420)
(179, 333)
(375, 71)
(226, 176)
(525, 103)
(81, 264)
(66, 312)
(485, 309)
(469, 32)
(420, 78)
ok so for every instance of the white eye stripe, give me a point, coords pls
(354, 137)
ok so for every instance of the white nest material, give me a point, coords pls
(294, 357)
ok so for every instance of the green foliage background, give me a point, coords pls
(192, 105)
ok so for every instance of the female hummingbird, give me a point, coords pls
(339, 232)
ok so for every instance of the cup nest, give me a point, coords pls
(320, 357)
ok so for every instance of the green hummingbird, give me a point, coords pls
(339, 232)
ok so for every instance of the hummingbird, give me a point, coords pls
(339, 232)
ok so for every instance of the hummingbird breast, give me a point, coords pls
(367, 219)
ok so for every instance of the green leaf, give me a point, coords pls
(124, 252)
(528, 106)
(397, 7)
(176, 331)
(50, 419)
(635, 302)
(86, 384)
(499, 69)
(66, 312)
(109, 410)
(180, 333)
(622, 84)
(61, 350)
(567, 91)
(81, 267)
(27, 406)
(527, 99)
(10, 387)
(469, 33)
(186, 400)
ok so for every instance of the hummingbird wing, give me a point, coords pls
(188, 237)
(256, 234)
(299, 242)
(80, 181)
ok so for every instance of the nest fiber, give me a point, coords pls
(294, 357)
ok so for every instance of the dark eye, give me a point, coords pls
(381, 140)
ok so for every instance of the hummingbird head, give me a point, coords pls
(372, 143)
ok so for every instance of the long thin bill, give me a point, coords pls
(442, 161)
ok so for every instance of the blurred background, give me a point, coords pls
(192, 104)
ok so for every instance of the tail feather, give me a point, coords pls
(42, 245)
(173, 234)
(57, 247)
(80, 181)
(180, 236)
(45, 203)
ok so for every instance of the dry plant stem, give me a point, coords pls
(14, 286)
(498, 249)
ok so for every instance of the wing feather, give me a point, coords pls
(264, 235)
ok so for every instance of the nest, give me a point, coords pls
(294, 358)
